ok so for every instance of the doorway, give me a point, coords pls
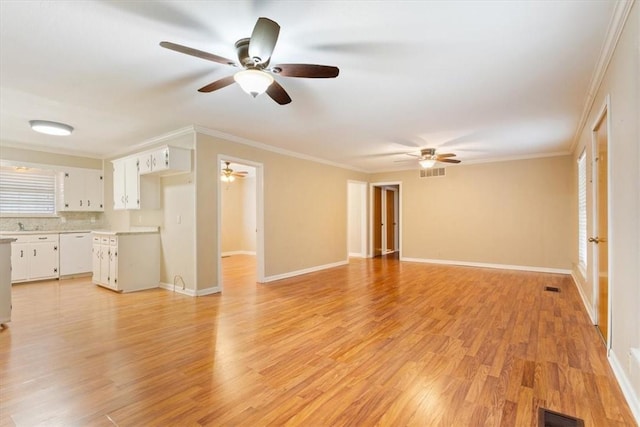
(385, 218)
(240, 220)
(600, 224)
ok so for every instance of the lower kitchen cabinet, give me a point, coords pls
(34, 257)
(126, 261)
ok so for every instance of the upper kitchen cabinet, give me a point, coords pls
(132, 191)
(165, 160)
(80, 190)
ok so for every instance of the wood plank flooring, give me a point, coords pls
(377, 342)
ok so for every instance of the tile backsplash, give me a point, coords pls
(64, 221)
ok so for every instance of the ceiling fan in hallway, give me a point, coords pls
(229, 175)
(254, 55)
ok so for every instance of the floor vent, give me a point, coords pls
(547, 418)
(432, 172)
(551, 289)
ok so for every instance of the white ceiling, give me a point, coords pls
(484, 79)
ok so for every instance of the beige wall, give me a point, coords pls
(238, 204)
(516, 213)
(621, 84)
(41, 157)
(305, 212)
(177, 230)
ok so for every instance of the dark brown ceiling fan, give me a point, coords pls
(254, 55)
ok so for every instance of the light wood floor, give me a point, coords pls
(377, 342)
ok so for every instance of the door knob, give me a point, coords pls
(594, 240)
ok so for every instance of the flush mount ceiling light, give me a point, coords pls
(51, 128)
(254, 82)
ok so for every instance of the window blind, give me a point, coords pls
(29, 191)
(582, 212)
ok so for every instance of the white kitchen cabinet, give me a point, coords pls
(132, 191)
(103, 261)
(5, 280)
(80, 190)
(126, 261)
(75, 253)
(34, 257)
(165, 161)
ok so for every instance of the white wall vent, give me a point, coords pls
(432, 172)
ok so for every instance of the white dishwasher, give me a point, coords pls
(75, 253)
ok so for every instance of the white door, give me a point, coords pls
(19, 261)
(95, 261)
(113, 267)
(132, 182)
(73, 190)
(94, 190)
(43, 260)
(104, 264)
(119, 184)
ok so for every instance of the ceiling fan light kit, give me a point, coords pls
(427, 163)
(51, 128)
(254, 82)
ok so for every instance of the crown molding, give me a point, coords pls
(152, 141)
(262, 146)
(619, 17)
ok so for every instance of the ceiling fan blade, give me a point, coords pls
(218, 84)
(446, 155)
(306, 70)
(239, 174)
(263, 40)
(449, 160)
(278, 94)
(197, 53)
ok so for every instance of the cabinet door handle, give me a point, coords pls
(88, 202)
(122, 198)
(42, 238)
(154, 162)
(80, 202)
(21, 253)
(34, 252)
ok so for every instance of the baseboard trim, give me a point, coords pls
(585, 301)
(488, 265)
(625, 384)
(231, 253)
(190, 292)
(356, 255)
(304, 271)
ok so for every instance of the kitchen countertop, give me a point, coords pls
(6, 240)
(30, 232)
(132, 230)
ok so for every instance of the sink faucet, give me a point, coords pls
(21, 225)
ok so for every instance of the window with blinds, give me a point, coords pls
(582, 212)
(27, 191)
